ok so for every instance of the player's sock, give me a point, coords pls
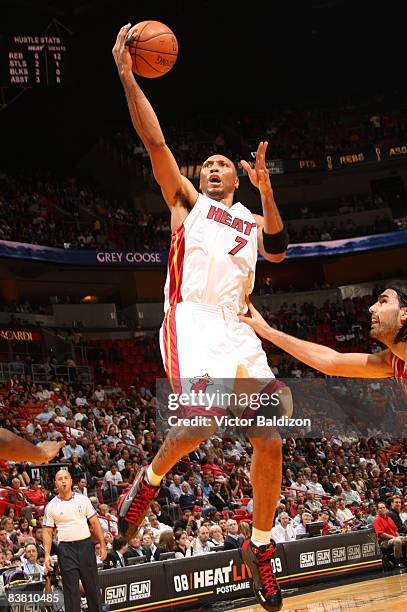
(259, 537)
(153, 478)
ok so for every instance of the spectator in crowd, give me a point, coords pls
(99, 560)
(117, 556)
(388, 536)
(46, 415)
(112, 483)
(301, 529)
(300, 509)
(156, 527)
(350, 496)
(394, 514)
(30, 562)
(233, 540)
(186, 523)
(327, 525)
(7, 524)
(315, 486)
(24, 528)
(187, 499)
(216, 535)
(284, 531)
(5, 542)
(135, 549)
(175, 488)
(299, 485)
(73, 448)
(201, 544)
(35, 494)
(372, 513)
(150, 550)
(311, 503)
(388, 490)
(343, 515)
(162, 516)
(166, 542)
(216, 499)
(107, 521)
(183, 545)
(206, 484)
(245, 530)
(108, 537)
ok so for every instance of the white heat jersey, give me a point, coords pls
(213, 257)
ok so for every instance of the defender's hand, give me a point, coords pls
(255, 321)
(121, 53)
(259, 175)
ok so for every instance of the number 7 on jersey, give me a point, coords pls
(241, 242)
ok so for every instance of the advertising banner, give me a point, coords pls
(20, 335)
(317, 559)
(222, 576)
(158, 259)
(99, 259)
(133, 587)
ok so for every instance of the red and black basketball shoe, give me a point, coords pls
(266, 589)
(134, 506)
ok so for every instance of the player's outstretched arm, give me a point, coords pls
(272, 236)
(14, 448)
(320, 357)
(175, 187)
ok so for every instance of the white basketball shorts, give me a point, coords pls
(201, 342)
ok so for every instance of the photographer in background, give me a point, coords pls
(69, 513)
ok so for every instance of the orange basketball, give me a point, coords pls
(153, 48)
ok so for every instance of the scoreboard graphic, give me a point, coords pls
(31, 61)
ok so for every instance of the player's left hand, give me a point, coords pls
(121, 52)
(259, 175)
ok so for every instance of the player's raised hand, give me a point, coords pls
(259, 175)
(255, 320)
(121, 53)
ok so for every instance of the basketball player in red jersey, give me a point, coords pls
(211, 270)
(388, 325)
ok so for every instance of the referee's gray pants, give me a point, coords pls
(77, 560)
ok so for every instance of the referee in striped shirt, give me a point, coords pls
(69, 514)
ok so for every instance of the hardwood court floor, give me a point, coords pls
(387, 594)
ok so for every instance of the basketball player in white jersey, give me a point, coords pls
(211, 270)
(388, 325)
